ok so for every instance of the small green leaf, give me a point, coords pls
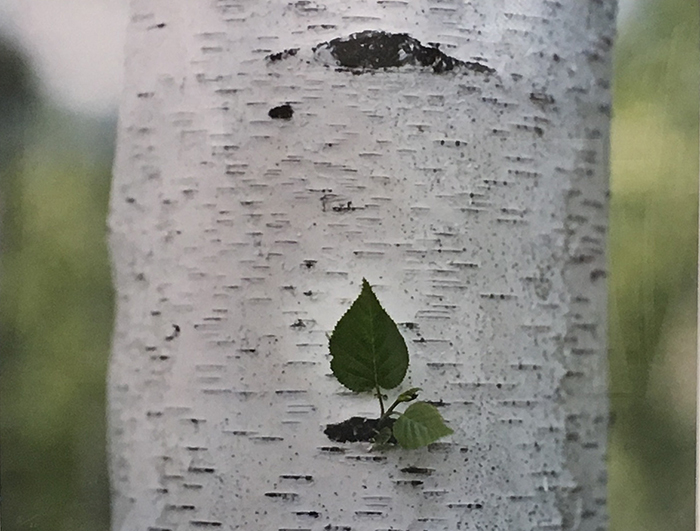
(409, 395)
(383, 436)
(420, 425)
(367, 348)
(381, 440)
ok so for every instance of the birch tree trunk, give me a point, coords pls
(272, 154)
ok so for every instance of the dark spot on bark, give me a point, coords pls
(312, 514)
(298, 324)
(298, 477)
(598, 273)
(306, 6)
(372, 50)
(174, 333)
(321, 26)
(541, 98)
(161, 25)
(282, 495)
(309, 263)
(332, 449)
(375, 458)
(356, 429)
(346, 207)
(130, 200)
(273, 57)
(202, 469)
(477, 67)
(417, 470)
(412, 482)
(283, 112)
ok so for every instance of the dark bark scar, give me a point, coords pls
(373, 50)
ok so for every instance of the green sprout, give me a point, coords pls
(369, 355)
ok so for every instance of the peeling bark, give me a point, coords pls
(455, 155)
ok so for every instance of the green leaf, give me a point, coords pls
(383, 436)
(420, 425)
(382, 440)
(409, 395)
(367, 348)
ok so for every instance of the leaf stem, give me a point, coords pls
(389, 411)
(381, 403)
(406, 396)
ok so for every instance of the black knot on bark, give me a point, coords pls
(283, 112)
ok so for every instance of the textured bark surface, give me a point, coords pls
(267, 161)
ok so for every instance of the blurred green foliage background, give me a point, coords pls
(653, 269)
(56, 297)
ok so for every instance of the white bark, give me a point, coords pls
(473, 202)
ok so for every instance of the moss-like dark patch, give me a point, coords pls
(356, 429)
(371, 50)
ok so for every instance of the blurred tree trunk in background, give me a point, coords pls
(266, 162)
